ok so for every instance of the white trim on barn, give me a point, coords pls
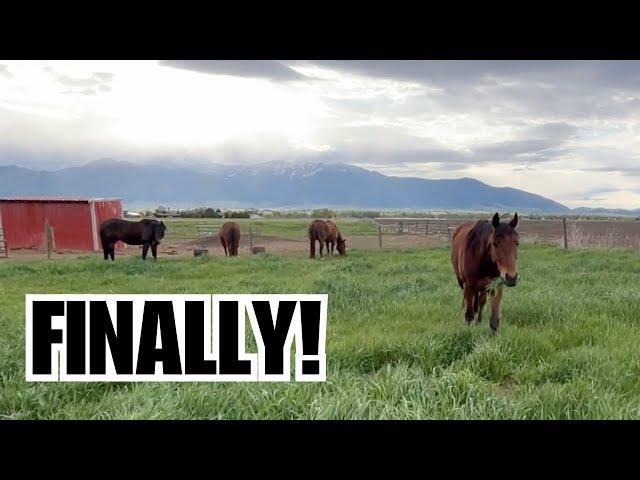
(94, 226)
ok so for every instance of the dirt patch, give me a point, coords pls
(295, 246)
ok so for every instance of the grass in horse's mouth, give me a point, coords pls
(498, 282)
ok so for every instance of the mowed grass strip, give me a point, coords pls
(397, 345)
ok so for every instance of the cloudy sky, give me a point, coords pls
(569, 130)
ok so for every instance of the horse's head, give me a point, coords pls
(503, 248)
(341, 245)
(158, 230)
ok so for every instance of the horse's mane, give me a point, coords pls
(477, 236)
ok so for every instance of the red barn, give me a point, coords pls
(76, 221)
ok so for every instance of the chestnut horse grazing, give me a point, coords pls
(482, 252)
(147, 233)
(230, 238)
(327, 233)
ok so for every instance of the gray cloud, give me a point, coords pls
(92, 85)
(456, 73)
(269, 69)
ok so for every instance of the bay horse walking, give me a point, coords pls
(482, 252)
(230, 238)
(147, 233)
(327, 233)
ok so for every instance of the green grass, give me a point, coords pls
(282, 227)
(397, 346)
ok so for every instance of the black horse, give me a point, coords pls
(147, 233)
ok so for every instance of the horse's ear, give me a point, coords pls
(496, 220)
(514, 220)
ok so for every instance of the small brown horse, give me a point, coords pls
(230, 238)
(480, 253)
(327, 233)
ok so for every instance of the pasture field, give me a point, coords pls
(276, 227)
(397, 346)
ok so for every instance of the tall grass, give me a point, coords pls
(397, 345)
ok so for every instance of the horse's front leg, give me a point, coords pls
(468, 298)
(145, 249)
(154, 250)
(482, 301)
(496, 296)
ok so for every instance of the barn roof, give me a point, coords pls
(57, 199)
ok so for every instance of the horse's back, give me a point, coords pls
(230, 232)
(318, 230)
(132, 233)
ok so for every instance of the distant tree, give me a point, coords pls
(236, 214)
(322, 213)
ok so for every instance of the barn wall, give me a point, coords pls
(24, 224)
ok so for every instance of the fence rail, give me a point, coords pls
(562, 231)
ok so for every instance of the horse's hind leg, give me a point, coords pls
(329, 252)
(106, 251)
(112, 251)
(224, 245)
(145, 249)
(312, 249)
(482, 300)
(321, 247)
(154, 250)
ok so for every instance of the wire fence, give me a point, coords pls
(406, 232)
(563, 232)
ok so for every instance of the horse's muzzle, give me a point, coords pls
(510, 281)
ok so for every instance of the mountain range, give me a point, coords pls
(269, 185)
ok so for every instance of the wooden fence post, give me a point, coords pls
(379, 236)
(251, 240)
(48, 233)
(449, 232)
(564, 229)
